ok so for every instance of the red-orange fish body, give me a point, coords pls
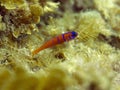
(56, 40)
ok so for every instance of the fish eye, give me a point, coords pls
(74, 34)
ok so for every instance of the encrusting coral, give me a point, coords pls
(89, 62)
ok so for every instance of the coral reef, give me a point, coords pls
(89, 62)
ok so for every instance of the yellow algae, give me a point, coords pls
(4, 77)
(89, 62)
(90, 25)
(12, 4)
(50, 7)
(36, 11)
(22, 14)
(2, 25)
(111, 10)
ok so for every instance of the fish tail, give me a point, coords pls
(36, 51)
